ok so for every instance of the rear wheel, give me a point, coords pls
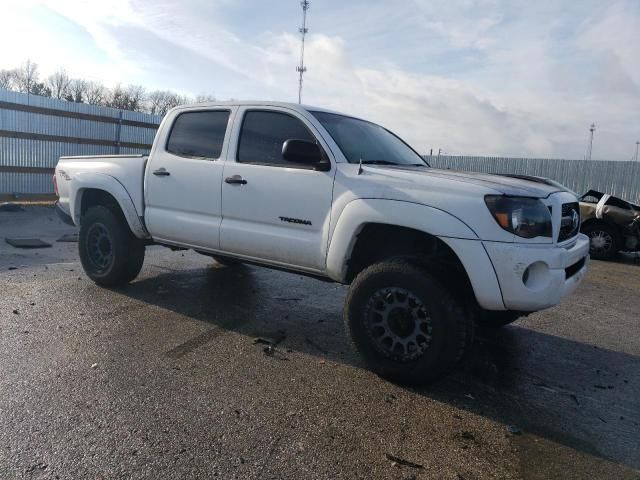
(405, 324)
(603, 241)
(110, 254)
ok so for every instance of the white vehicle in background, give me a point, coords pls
(427, 253)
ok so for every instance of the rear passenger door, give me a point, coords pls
(275, 210)
(182, 190)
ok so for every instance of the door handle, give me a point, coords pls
(161, 172)
(235, 180)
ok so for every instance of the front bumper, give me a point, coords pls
(533, 277)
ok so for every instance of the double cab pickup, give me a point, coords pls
(427, 254)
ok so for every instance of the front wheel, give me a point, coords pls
(405, 324)
(110, 254)
(603, 241)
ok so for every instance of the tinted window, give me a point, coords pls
(198, 134)
(366, 141)
(263, 134)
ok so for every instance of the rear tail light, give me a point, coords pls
(55, 185)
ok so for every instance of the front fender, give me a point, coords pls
(99, 181)
(464, 242)
(360, 212)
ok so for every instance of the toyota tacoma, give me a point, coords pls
(427, 253)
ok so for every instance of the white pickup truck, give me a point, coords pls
(427, 253)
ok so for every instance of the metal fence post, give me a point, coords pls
(118, 131)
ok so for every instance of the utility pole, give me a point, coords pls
(303, 32)
(637, 145)
(592, 129)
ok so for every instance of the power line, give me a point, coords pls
(303, 32)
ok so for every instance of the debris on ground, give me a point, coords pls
(27, 243)
(574, 398)
(470, 397)
(94, 365)
(10, 207)
(389, 398)
(273, 339)
(288, 299)
(13, 268)
(16, 312)
(271, 351)
(68, 237)
(401, 461)
(467, 435)
(37, 466)
(514, 430)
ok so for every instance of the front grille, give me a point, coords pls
(569, 221)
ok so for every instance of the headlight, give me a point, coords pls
(522, 216)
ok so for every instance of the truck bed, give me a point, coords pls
(128, 170)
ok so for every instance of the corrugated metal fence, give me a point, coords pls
(621, 179)
(35, 131)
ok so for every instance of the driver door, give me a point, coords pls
(273, 210)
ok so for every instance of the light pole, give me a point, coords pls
(592, 129)
(303, 31)
(637, 145)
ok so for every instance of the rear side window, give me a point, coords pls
(198, 134)
(263, 134)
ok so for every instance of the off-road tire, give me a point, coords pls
(119, 257)
(593, 228)
(451, 325)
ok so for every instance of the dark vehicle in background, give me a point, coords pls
(612, 224)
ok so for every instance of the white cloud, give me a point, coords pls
(474, 77)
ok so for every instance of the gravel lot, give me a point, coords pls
(162, 379)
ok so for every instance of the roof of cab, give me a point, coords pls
(256, 103)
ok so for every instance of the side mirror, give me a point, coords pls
(304, 152)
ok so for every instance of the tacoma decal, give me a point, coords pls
(295, 220)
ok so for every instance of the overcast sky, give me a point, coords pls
(486, 77)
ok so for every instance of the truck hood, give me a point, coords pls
(509, 185)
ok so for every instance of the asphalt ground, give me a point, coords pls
(163, 378)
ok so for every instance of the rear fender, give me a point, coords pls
(82, 182)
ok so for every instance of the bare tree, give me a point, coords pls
(7, 79)
(40, 89)
(59, 83)
(27, 76)
(77, 90)
(159, 102)
(118, 98)
(95, 94)
(136, 97)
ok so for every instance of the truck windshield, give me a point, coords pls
(366, 141)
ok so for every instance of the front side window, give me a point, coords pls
(263, 134)
(364, 141)
(198, 134)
